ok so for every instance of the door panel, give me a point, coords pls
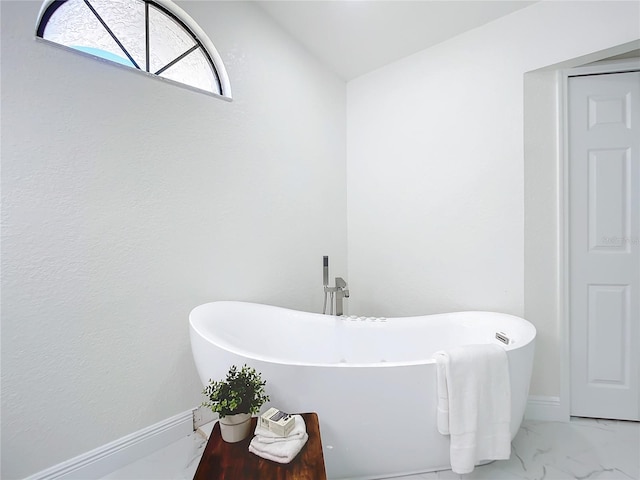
(604, 222)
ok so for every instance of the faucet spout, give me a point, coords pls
(342, 292)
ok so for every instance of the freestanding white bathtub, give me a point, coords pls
(372, 381)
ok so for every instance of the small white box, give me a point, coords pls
(277, 421)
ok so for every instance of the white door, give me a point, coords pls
(604, 229)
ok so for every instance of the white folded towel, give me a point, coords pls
(280, 449)
(474, 404)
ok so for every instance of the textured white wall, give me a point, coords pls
(435, 169)
(127, 201)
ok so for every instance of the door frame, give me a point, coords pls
(564, 274)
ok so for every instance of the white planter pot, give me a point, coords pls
(235, 428)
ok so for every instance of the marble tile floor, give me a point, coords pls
(581, 449)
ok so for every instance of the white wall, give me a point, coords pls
(127, 201)
(541, 215)
(435, 169)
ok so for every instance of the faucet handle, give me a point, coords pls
(342, 286)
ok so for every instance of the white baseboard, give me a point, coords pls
(110, 457)
(545, 409)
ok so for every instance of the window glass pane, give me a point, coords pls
(167, 39)
(125, 18)
(194, 70)
(104, 54)
(69, 25)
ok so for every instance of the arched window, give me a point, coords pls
(152, 36)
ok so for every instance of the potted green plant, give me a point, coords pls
(235, 399)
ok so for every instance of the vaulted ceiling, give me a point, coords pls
(353, 37)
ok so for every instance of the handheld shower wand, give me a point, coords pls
(325, 270)
(325, 280)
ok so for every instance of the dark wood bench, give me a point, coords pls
(233, 461)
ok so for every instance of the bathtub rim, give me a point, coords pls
(380, 364)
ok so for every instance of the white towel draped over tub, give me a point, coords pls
(474, 404)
